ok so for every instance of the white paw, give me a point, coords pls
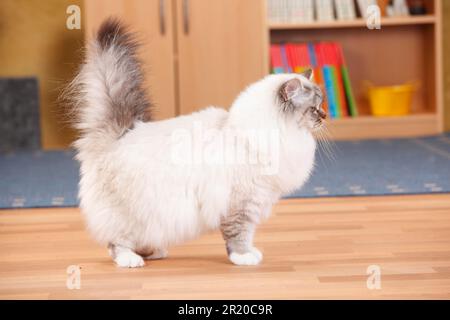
(250, 258)
(257, 253)
(129, 260)
(157, 254)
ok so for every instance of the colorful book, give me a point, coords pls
(338, 99)
(330, 72)
(284, 59)
(304, 61)
(275, 57)
(334, 59)
(312, 55)
(352, 108)
(292, 56)
(328, 79)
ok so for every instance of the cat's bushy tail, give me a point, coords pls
(108, 94)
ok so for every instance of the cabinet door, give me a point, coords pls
(222, 47)
(153, 22)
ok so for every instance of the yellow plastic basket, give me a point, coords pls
(391, 100)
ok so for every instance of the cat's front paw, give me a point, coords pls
(250, 258)
(129, 260)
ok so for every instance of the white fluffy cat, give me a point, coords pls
(143, 187)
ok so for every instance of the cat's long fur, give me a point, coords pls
(137, 200)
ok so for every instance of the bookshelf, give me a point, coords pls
(356, 23)
(405, 49)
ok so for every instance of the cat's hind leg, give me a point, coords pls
(125, 257)
(156, 254)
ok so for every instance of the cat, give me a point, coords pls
(141, 188)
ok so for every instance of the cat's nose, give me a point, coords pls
(322, 114)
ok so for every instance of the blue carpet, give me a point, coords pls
(369, 167)
(382, 167)
(38, 179)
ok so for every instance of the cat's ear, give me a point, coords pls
(308, 74)
(290, 89)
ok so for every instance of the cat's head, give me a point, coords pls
(288, 99)
(299, 98)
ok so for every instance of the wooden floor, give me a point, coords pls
(314, 248)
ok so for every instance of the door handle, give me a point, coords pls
(186, 16)
(162, 17)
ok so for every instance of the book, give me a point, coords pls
(284, 11)
(305, 61)
(291, 57)
(277, 11)
(337, 94)
(328, 79)
(300, 10)
(293, 11)
(272, 10)
(300, 64)
(345, 9)
(324, 10)
(333, 53)
(284, 59)
(275, 58)
(352, 108)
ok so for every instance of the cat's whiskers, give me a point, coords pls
(325, 143)
(332, 147)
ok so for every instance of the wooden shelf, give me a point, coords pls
(410, 48)
(357, 23)
(366, 127)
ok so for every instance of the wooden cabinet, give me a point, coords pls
(220, 46)
(197, 52)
